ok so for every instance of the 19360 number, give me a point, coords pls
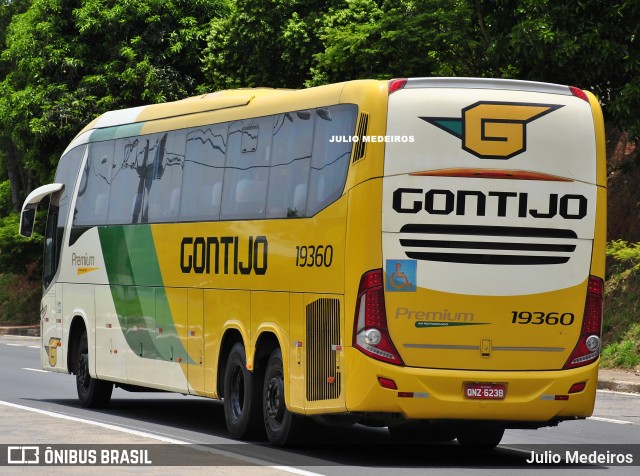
(310, 256)
(539, 318)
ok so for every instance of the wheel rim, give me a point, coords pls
(274, 400)
(236, 395)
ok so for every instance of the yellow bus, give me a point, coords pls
(422, 254)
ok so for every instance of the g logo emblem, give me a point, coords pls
(493, 130)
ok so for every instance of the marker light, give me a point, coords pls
(397, 84)
(579, 93)
(387, 383)
(577, 387)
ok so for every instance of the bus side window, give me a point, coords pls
(244, 193)
(216, 196)
(205, 151)
(290, 163)
(330, 160)
(166, 177)
(67, 173)
(125, 202)
(91, 205)
(250, 196)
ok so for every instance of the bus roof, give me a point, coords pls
(257, 101)
(205, 103)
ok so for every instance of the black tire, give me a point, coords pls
(480, 438)
(242, 395)
(92, 393)
(280, 424)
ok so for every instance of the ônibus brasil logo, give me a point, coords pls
(493, 130)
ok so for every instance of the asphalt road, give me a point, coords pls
(41, 408)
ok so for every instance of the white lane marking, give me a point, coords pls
(290, 469)
(91, 422)
(610, 420)
(618, 392)
(144, 434)
(34, 370)
(22, 345)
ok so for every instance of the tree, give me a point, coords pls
(264, 43)
(9, 165)
(399, 38)
(67, 61)
(593, 44)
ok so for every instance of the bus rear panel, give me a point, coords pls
(488, 301)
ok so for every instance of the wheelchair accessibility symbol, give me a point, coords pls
(401, 275)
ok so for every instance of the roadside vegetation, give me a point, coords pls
(20, 270)
(621, 329)
(20, 299)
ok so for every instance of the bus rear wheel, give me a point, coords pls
(242, 392)
(280, 424)
(92, 393)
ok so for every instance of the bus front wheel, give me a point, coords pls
(242, 394)
(281, 425)
(92, 393)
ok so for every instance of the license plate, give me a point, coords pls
(485, 391)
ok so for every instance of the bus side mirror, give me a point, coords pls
(28, 215)
(27, 220)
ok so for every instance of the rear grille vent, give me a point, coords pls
(359, 147)
(493, 245)
(323, 335)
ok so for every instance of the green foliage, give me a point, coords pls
(6, 204)
(19, 299)
(264, 43)
(621, 331)
(20, 283)
(399, 38)
(624, 353)
(626, 253)
(591, 44)
(17, 252)
(68, 61)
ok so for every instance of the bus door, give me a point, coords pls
(51, 328)
(51, 306)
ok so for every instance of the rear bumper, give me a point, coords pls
(531, 396)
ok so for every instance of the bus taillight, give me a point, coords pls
(588, 348)
(370, 332)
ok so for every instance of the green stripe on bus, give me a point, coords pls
(138, 293)
(116, 132)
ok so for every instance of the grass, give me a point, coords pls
(623, 354)
(621, 327)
